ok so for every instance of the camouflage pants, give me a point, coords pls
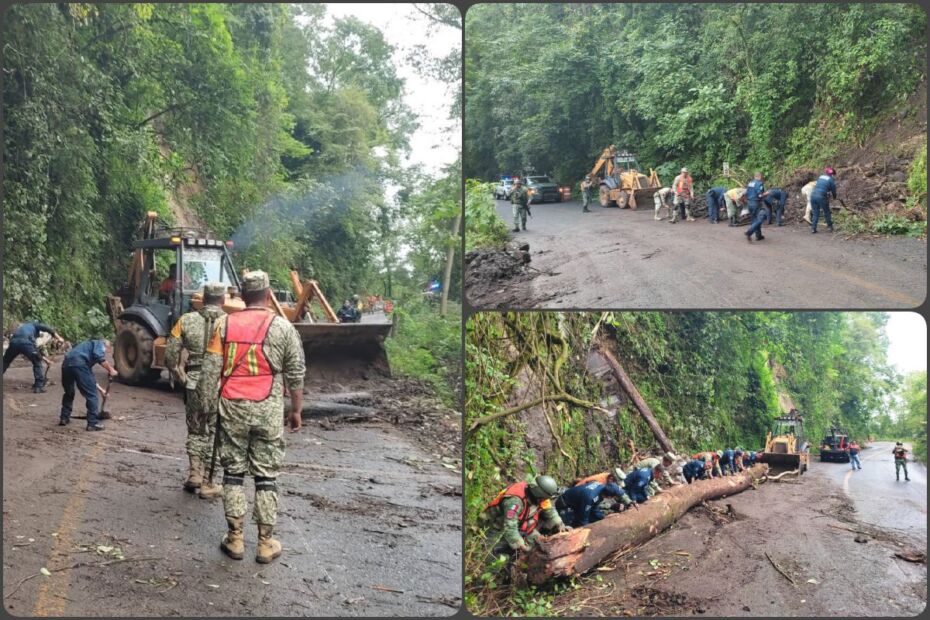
(200, 428)
(257, 450)
(682, 206)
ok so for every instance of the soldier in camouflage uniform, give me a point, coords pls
(660, 470)
(520, 202)
(252, 356)
(190, 333)
(519, 509)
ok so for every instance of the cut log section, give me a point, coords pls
(576, 552)
(320, 409)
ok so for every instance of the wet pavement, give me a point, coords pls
(370, 517)
(622, 258)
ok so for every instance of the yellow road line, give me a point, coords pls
(51, 599)
(912, 302)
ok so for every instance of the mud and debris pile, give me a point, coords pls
(488, 270)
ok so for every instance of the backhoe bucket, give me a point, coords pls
(342, 352)
(779, 462)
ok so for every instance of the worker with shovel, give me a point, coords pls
(23, 342)
(190, 333)
(77, 371)
(820, 198)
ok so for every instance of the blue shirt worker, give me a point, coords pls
(820, 198)
(715, 202)
(77, 370)
(23, 342)
(584, 502)
(749, 459)
(727, 463)
(776, 200)
(755, 192)
(693, 470)
(637, 483)
(759, 217)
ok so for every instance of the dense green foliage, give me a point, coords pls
(264, 123)
(482, 226)
(713, 380)
(767, 86)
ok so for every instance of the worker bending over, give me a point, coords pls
(519, 509)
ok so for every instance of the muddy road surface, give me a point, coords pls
(370, 512)
(612, 258)
(834, 545)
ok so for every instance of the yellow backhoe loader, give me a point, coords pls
(146, 307)
(785, 447)
(622, 184)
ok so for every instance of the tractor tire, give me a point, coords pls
(623, 200)
(603, 196)
(132, 352)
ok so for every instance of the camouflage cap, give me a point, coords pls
(214, 289)
(255, 281)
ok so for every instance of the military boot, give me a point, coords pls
(209, 490)
(268, 548)
(233, 543)
(195, 475)
(732, 220)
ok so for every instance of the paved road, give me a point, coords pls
(370, 519)
(878, 498)
(625, 259)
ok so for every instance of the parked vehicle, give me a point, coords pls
(503, 189)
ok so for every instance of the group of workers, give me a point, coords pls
(238, 371)
(760, 202)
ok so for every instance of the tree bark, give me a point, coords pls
(450, 258)
(627, 384)
(576, 552)
(319, 409)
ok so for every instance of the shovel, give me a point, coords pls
(104, 414)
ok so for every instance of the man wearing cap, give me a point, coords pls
(755, 192)
(684, 194)
(23, 342)
(820, 198)
(661, 471)
(251, 358)
(726, 462)
(519, 508)
(190, 333)
(586, 193)
(583, 503)
(900, 461)
(663, 198)
(520, 203)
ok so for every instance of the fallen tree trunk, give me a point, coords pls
(319, 409)
(627, 385)
(576, 552)
(343, 397)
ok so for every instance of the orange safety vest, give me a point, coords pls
(600, 478)
(246, 372)
(528, 522)
(684, 184)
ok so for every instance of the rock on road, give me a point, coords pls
(613, 258)
(370, 517)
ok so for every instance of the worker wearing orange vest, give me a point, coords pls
(252, 356)
(683, 187)
(519, 509)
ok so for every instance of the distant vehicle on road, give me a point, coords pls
(503, 189)
(834, 446)
(542, 188)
